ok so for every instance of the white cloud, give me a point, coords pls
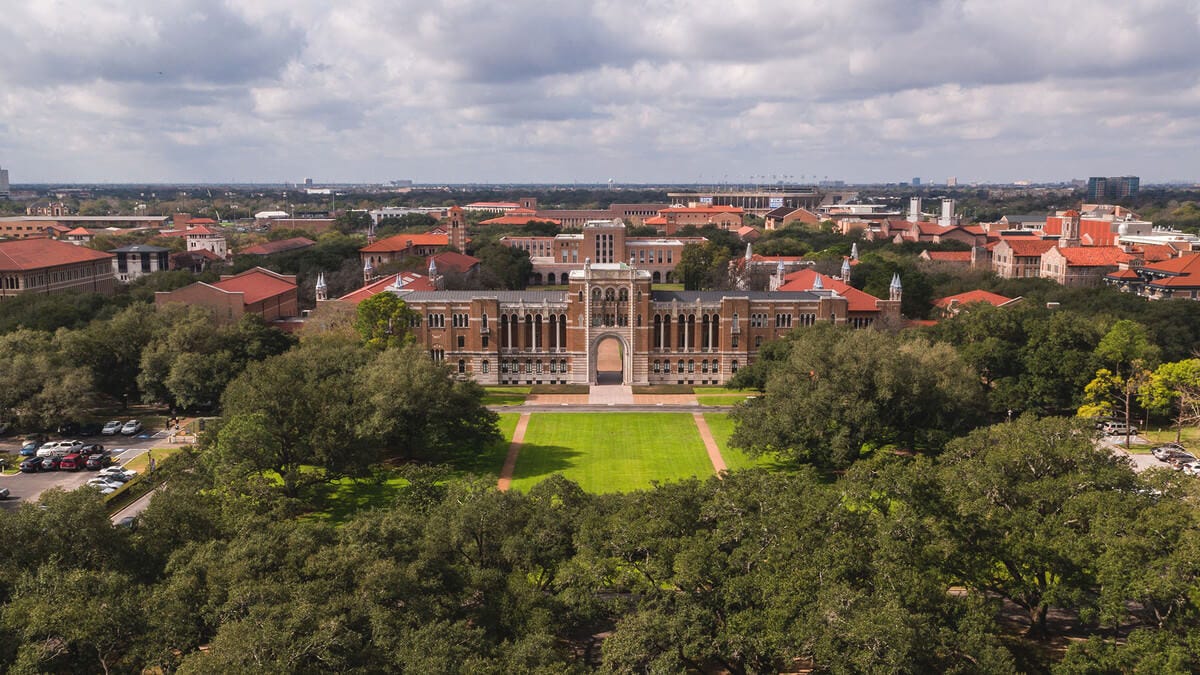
(644, 90)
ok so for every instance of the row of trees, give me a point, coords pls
(904, 564)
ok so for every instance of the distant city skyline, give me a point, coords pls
(640, 92)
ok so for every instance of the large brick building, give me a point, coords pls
(258, 291)
(663, 337)
(40, 265)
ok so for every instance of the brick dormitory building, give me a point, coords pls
(662, 337)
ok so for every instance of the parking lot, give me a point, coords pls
(29, 486)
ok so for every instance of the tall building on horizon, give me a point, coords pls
(1102, 188)
(4, 191)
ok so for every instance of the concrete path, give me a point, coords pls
(138, 505)
(710, 444)
(609, 408)
(514, 449)
(610, 394)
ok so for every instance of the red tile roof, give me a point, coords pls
(202, 221)
(858, 301)
(1097, 232)
(408, 280)
(451, 261)
(655, 220)
(279, 246)
(1188, 264)
(523, 218)
(1028, 246)
(949, 256)
(969, 297)
(1123, 274)
(257, 284)
(38, 253)
(494, 205)
(80, 231)
(402, 242)
(199, 229)
(1186, 281)
(702, 209)
(1091, 256)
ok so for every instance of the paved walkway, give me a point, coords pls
(514, 449)
(710, 444)
(610, 394)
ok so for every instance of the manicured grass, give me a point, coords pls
(341, 499)
(142, 461)
(663, 389)
(559, 389)
(505, 395)
(611, 452)
(721, 427)
(488, 461)
(667, 287)
(723, 396)
(1189, 438)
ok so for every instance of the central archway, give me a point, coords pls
(610, 360)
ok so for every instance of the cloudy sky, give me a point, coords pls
(633, 90)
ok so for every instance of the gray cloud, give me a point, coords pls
(636, 89)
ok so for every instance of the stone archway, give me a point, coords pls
(609, 357)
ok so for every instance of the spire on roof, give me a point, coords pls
(818, 285)
(854, 250)
(432, 267)
(846, 270)
(895, 290)
(748, 253)
(322, 289)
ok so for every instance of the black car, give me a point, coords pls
(31, 465)
(98, 461)
(93, 449)
(88, 429)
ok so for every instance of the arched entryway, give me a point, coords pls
(609, 357)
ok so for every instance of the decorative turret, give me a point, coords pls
(818, 285)
(1069, 237)
(368, 272)
(895, 290)
(846, 270)
(371, 232)
(322, 289)
(748, 252)
(854, 250)
(458, 229)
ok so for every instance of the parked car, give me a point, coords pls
(32, 465)
(1165, 450)
(131, 427)
(112, 428)
(1191, 468)
(1118, 429)
(51, 463)
(71, 462)
(91, 448)
(98, 461)
(89, 429)
(4, 493)
(105, 487)
(29, 449)
(59, 448)
(117, 473)
(1178, 459)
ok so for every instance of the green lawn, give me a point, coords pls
(1189, 438)
(490, 460)
(722, 396)
(341, 499)
(505, 395)
(142, 461)
(611, 452)
(721, 427)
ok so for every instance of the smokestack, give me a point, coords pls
(914, 210)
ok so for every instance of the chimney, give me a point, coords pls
(914, 210)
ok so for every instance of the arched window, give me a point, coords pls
(733, 367)
(483, 367)
(681, 365)
(657, 366)
(691, 366)
(581, 296)
(624, 294)
(596, 294)
(462, 366)
(610, 294)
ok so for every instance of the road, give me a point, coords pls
(29, 486)
(1139, 461)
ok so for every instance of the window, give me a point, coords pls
(783, 320)
(539, 366)
(462, 366)
(691, 366)
(528, 366)
(733, 366)
(485, 341)
(483, 322)
(462, 341)
(414, 321)
(757, 341)
(657, 366)
(734, 341)
(704, 366)
(681, 365)
(437, 320)
(438, 355)
(483, 367)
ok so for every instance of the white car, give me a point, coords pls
(131, 427)
(112, 428)
(1191, 468)
(59, 448)
(116, 473)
